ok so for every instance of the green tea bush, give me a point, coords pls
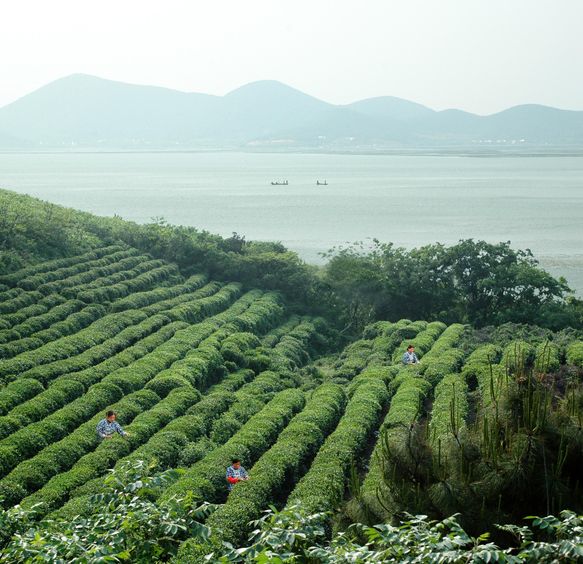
(28, 440)
(107, 453)
(575, 354)
(422, 342)
(18, 391)
(25, 313)
(236, 347)
(59, 394)
(205, 291)
(195, 451)
(37, 323)
(7, 293)
(136, 281)
(248, 401)
(94, 348)
(197, 310)
(518, 355)
(294, 348)
(59, 456)
(275, 335)
(71, 345)
(322, 488)
(55, 269)
(481, 357)
(19, 302)
(407, 402)
(450, 409)
(547, 357)
(72, 324)
(438, 366)
(91, 375)
(280, 467)
(383, 328)
(123, 275)
(203, 414)
(207, 477)
(171, 442)
(88, 275)
(138, 300)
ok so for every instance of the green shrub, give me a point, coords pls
(137, 280)
(23, 314)
(407, 402)
(422, 342)
(59, 394)
(56, 266)
(450, 409)
(480, 358)
(236, 347)
(195, 311)
(30, 439)
(65, 347)
(575, 354)
(205, 291)
(322, 488)
(275, 335)
(59, 456)
(138, 300)
(166, 446)
(19, 302)
(207, 477)
(280, 467)
(18, 391)
(60, 282)
(107, 453)
(195, 451)
(547, 357)
(518, 355)
(38, 323)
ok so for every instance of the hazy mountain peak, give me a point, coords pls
(391, 107)
(269, 88)
(85, 110)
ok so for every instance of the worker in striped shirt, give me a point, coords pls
(236, 473)
(108, 426)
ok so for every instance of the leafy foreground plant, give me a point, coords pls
(125, 526)
(291, 536)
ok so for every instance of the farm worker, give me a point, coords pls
(108, 426)
(410, 357)
(236, 473)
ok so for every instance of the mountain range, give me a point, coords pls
(82, 111)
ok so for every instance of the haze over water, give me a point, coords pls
(535, 202)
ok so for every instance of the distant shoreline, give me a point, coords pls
(502, 153)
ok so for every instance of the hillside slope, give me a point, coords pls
(203, 371)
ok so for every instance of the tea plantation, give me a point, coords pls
(200, 371)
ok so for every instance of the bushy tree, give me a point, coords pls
(472, 281)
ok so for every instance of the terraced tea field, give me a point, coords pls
(201, 371)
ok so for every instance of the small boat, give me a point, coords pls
(318, 183)
(279, 183)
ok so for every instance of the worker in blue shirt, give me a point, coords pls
(108, 426)
(410, 357)
(236, 473)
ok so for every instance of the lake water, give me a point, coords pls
(534, 202)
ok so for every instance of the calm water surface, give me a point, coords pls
(535, 202)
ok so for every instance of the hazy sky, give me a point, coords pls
(478, 55)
